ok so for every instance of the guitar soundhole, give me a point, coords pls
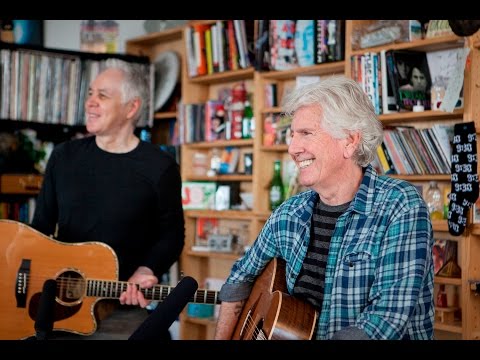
(70, 287)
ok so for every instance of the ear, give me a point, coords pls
(132, 107)
(351, 145)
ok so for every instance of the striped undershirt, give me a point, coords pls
(311, 280)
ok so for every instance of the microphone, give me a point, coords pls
(160, 320)
(46, 310)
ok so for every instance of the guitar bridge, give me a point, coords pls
(21, 286)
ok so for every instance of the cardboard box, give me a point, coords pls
(198, 195)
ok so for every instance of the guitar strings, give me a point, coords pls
(157, 292)
(64, 282)
(257, 333)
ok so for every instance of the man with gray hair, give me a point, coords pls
(357, 246)
(113, 187)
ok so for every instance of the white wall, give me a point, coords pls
(65, 34)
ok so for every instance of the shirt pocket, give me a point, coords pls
(356, 258)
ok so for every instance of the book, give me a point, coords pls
(389, 103)
(262, 48)
(305, 42)
(282, 45)
(442, 65)
(410, 78)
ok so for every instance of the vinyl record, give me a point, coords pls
(167, 69)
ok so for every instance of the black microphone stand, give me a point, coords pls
(46, 310)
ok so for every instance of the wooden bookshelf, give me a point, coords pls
(468, 243)
(202, 88)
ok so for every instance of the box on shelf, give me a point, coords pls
(199, 195)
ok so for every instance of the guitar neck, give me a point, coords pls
(113, 289)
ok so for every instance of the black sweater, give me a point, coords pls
(130, 201)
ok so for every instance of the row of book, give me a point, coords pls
(408, 151)
(287, 44)
(47, 87)
(398, 80)
(18, 210)
(218, 47)
(386, 78)
(209, 122)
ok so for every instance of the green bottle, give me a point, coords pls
(276, 186)
(247, 121)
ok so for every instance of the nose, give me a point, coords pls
(294, 148)
(91, 101)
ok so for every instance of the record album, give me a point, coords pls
(167, 69)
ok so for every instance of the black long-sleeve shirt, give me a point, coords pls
(130, 201)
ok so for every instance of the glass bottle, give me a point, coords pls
(433, 199)
(247, 121)
(276, 186)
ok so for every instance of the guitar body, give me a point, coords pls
(27, 259)
(271, 314)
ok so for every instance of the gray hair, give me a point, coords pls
(135, 84)
(346, 109)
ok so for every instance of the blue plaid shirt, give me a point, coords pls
(379, 274)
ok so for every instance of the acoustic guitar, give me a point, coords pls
(271, 314)
(85, 273)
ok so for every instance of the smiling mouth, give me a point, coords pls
(305, 163)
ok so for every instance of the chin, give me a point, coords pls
(90, 128)
(305, 182)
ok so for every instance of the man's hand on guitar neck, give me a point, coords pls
(144, 278)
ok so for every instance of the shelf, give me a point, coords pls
(455, 327)
(226, 177)
(337, 67)
(224, 214)
(220, 143)
(440, 225)
(20, 184)
(475, 229)
(448, 281)
(275, 109)
(165, 115)
(263, 216)
(427, 177)
(201, 321)
(158, 37)
(427, 115)
(202, 22)
(431, 44)
(446, 317)
(225, 76)
(275, 148)
(211, 254)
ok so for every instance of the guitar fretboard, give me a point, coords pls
(113, 290)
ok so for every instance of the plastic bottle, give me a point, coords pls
(276, 186)
(433, 199)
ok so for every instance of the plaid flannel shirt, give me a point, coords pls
(379, 274)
